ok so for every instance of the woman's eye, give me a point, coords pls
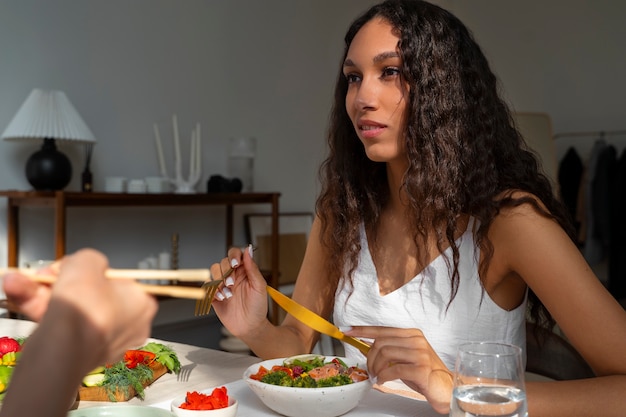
(352, 78)
(390, 72)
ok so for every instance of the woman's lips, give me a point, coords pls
(370, 129)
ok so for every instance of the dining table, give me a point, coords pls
(203, 369)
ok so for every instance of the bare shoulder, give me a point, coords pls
(535, 248)
(527, 220)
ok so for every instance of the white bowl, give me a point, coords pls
(230, 411)
(307, 402)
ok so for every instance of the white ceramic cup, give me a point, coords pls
(115, 184)
(136, 186)
(157, 185)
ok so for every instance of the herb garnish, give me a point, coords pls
(118, 376)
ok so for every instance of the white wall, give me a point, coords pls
(565, 58)
(240, 68)
(255, 68)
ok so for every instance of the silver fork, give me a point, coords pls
(185, 371)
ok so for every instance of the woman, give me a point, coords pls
(434, 225)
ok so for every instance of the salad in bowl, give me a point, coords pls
(309, 385)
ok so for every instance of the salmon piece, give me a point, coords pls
(357, 374)
(326, 371)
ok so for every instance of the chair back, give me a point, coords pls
(550, 355)
(293, 233)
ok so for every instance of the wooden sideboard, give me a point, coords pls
(59, 201)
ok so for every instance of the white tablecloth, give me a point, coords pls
(211, 368)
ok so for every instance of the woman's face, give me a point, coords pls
(376, 98)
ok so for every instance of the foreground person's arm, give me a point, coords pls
(89, 320)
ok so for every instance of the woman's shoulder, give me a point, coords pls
(516, 226)
(515, 202)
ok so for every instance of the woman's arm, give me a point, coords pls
(244, 308)
(88, 320)
(537, 250)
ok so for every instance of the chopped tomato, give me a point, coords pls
(132, 358)
(263, 371)
(198, 401)
(285, 369)
(260, 373)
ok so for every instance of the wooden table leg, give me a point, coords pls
(13, 222)
(229, 226)
(60, 224)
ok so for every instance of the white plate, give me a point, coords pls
(120, 411)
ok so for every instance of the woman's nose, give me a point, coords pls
(367, 95)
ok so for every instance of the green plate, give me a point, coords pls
(120, 411)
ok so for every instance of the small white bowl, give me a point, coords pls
(307, 402)
(230, 411)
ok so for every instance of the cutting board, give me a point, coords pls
(101, 394)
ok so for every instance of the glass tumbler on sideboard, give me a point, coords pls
(241, 161)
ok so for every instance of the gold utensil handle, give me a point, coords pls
(357, 343)
(314, 321)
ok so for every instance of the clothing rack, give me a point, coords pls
(596, 134)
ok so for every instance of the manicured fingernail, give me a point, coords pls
(229, 282)
(345, 328)
(227, 292)
(250, 251)
(373, 379)
(234, 263)
(219, 296)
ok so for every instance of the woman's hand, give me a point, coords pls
(241, 304)
(406, 354)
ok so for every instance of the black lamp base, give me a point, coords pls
(48, 169)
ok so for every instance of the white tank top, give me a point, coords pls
(422, 303)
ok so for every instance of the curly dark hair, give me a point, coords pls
(464, 152)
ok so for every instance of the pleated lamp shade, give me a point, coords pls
(48, 115)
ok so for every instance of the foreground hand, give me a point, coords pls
(119, 310)
(406, 354)
(25, 296)
(86, 320)
(116, 314)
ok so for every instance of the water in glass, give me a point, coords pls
(484, 400)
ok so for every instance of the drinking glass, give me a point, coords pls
(241, 161)
(489, 381)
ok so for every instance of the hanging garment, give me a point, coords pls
(617, 258)
(601, 171)
(570, 176)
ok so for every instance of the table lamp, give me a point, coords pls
(48, 115)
